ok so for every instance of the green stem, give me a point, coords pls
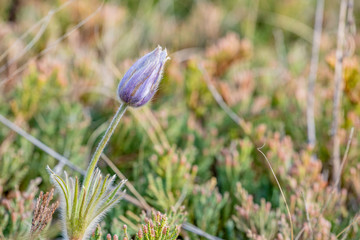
(100, 148)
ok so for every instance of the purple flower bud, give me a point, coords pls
(141, 81)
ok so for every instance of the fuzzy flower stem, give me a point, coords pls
(100, 148)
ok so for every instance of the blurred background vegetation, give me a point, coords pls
(61, 61)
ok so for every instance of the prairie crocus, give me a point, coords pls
(141, 81)
(84, 205)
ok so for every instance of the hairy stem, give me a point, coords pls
(100, 148)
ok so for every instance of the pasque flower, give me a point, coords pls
(83, 205)
(141, 81)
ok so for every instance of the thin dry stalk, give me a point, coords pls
(40, 144)
(29, 45)
(236, 118)
(191, 228)
(53, 44)
(338, 79)
(344, 160)
(310, 109)
(347, 229)
(288, 24)
(280, 47)
(148, 128)
(351, 30)
(252, 19)
(9, 138)
(298, 236)
(307, 215)
(43, 213)
(42, 23)
(334, 187)
(155, 123)
(281, 191)
(128, 183)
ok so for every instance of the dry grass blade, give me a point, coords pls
(150, 131)
(344, 160)
(298, 236)
(307, 215)
(310, 109)
(341, 168)
(289, 24)
(334, 187)
(351, 30)
(39, 144)
(158, 129)
(53, 44)
(338, 79)
(128, 184)
(191, 228)
(281, 191)
(30, 44)
(347, 229)
(43, 23)
(237, 119)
